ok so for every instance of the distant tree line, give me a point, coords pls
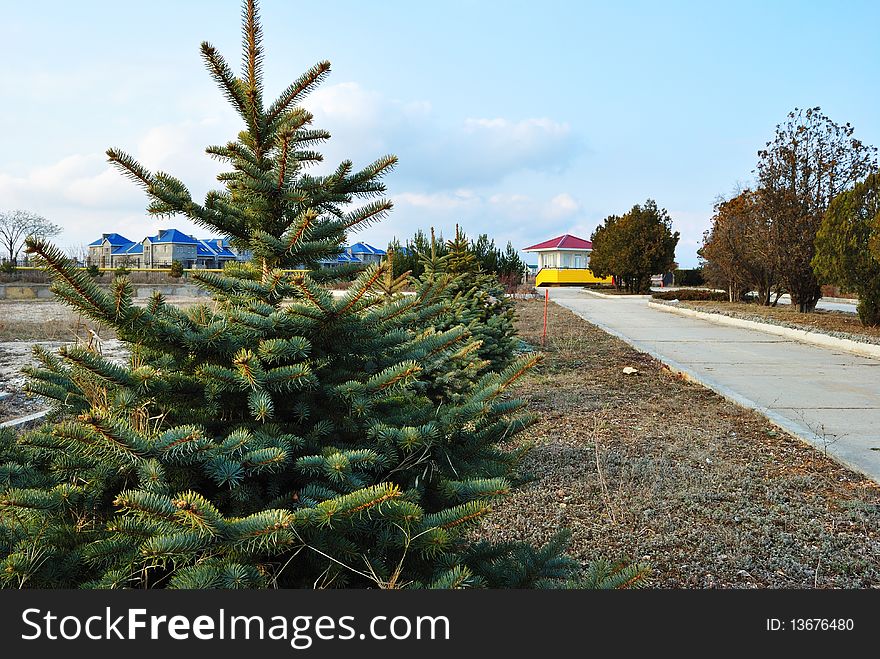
(505, 264)
(633, 246)
(811, 218)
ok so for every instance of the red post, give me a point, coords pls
(546, 302)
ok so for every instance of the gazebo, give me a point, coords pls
(565, 260)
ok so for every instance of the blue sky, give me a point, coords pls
(523, 120)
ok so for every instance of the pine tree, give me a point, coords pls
(478, 300)
(276, 436)
(462, 260)
(390, 283)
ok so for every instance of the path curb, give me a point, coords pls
(14, 423)
(803, 336)
(616, 297)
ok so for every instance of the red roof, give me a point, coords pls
(566, 241)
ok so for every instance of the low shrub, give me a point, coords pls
(692, 295)
(176, 270)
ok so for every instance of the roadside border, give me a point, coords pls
(615, 297)
(803, 336)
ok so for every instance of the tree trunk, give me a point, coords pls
(806, 296)
(779, 292)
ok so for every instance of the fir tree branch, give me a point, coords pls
(224, 77)
(296, 91)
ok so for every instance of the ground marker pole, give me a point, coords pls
(546, 302)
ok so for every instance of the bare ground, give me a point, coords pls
(653, 467)
(50, 324)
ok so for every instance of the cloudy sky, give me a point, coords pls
(522, 120)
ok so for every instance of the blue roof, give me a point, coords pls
(343, 258)
(113, 238)
(173, 236)
(134, 248)
(364, 248)
(209, 247)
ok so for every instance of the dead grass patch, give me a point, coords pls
(654, 467)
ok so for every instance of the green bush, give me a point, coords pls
(176, 269)
(93, 271)
(692, 295)
(7, 267)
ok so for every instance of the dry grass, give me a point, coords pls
(43, 320)
(652, 467)
(816, 321)
(50, 320)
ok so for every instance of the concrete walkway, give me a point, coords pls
(829, 398)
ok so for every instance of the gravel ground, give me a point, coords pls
(652, 467)
(834, 323)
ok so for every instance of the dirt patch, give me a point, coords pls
(15, 355)
(655, 468)
(834, 323)
(49, 324)
(50, 320)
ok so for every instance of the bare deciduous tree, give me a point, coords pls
(17, 225)
(739, 250)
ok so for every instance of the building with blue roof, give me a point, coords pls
(113, 250)
(160, 251)
(101, 251)
(366, 253)
(342, 259)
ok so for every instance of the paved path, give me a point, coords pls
(829, 398)
(827, 305)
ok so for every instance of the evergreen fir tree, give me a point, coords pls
(390, 283)
(462, 260)
(479, 300)
(276, 436)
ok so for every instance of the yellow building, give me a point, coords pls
(564, 261)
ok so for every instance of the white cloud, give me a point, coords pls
(433, 154)
(78, 181)
(438, 201)
(562, 205)
(87, 196)
(450, 173)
